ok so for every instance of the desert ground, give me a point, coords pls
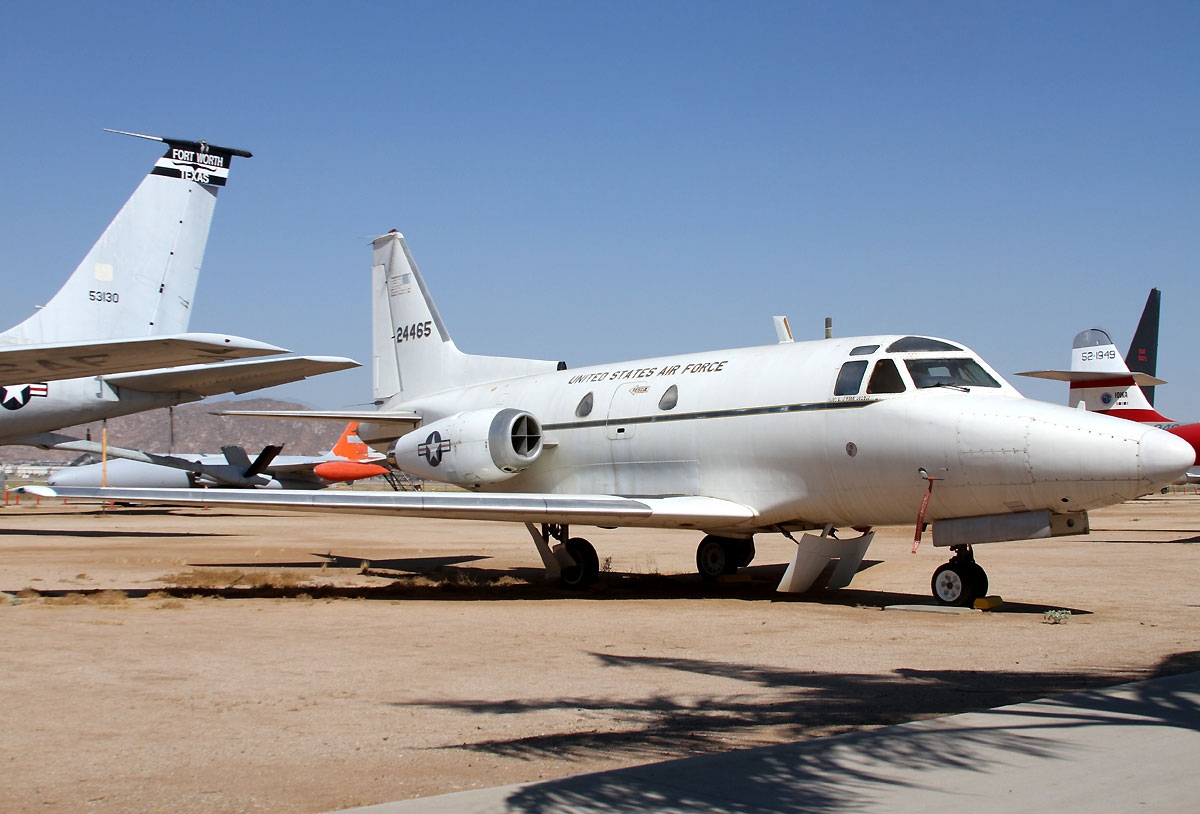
(199, 660)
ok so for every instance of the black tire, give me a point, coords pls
(587, 571)
(979, 576)
(714, 557)
(954, 583)
(745, 553)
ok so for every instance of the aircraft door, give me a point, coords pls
(639, 465)
(629, 403)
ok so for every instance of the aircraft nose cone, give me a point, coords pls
(1164, 458)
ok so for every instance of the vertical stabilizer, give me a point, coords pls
(139, 278)
(1104, 382)
(414, 354)
(351, 447)
(1143, 350)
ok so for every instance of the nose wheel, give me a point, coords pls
(961, 581)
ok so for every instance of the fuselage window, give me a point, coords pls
(850, 378)
(669, 399)
(585, 406)
(949, 373)
(885, 378)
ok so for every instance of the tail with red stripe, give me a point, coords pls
(1102, 382)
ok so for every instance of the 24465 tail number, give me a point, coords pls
(419, 330)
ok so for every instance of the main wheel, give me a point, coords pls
(954, 583)
(745, 552)
(587, 568)
(716, 556)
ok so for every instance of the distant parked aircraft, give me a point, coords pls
(349, 460)
(112, 340)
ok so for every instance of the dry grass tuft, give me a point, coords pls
(102, 598)
(220, 578)
(165, 601)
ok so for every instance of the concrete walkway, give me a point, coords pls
(1136, 746)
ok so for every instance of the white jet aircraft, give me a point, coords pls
(797, 436)
(111, 341)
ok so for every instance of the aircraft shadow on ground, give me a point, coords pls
(830, 777)
(1192, 537)
(97, 533)
(446, 579)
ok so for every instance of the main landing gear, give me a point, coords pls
(573, 560)
(961, 581)
(722, 555)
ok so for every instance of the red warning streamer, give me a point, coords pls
(921, 516)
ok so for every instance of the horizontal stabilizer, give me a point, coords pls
(231, 377)
(71, 360)
(373, 416)
(592, 510)
(1090, 377)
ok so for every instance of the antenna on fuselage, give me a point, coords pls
(783, 331)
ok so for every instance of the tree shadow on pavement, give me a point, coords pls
(827, 776)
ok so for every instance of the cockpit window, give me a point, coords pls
(949, 373)
(864, 350)
(885, 378)
(919, 343)
(850, 378)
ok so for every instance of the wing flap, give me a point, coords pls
(231, 377)
(590, 510)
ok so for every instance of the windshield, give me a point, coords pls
(949, 373)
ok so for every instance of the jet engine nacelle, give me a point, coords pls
(475, 447)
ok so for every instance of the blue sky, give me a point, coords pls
(596, 181)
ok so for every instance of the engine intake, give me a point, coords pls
(471, 448)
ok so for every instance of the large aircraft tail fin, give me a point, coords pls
(413, 352)
(1143, 350)
(139, 278)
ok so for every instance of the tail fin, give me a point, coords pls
(414, 354)
(1143, 350)
(1102, 382)
(351, 447)
(140, 276)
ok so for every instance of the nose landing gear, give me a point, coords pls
(961, 581)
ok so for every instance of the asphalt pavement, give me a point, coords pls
(1134, 746)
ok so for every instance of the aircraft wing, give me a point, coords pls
(231, 377)
(71, 360)
(1084, 376)
(590, 510)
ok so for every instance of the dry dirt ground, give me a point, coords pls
(205, 660)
